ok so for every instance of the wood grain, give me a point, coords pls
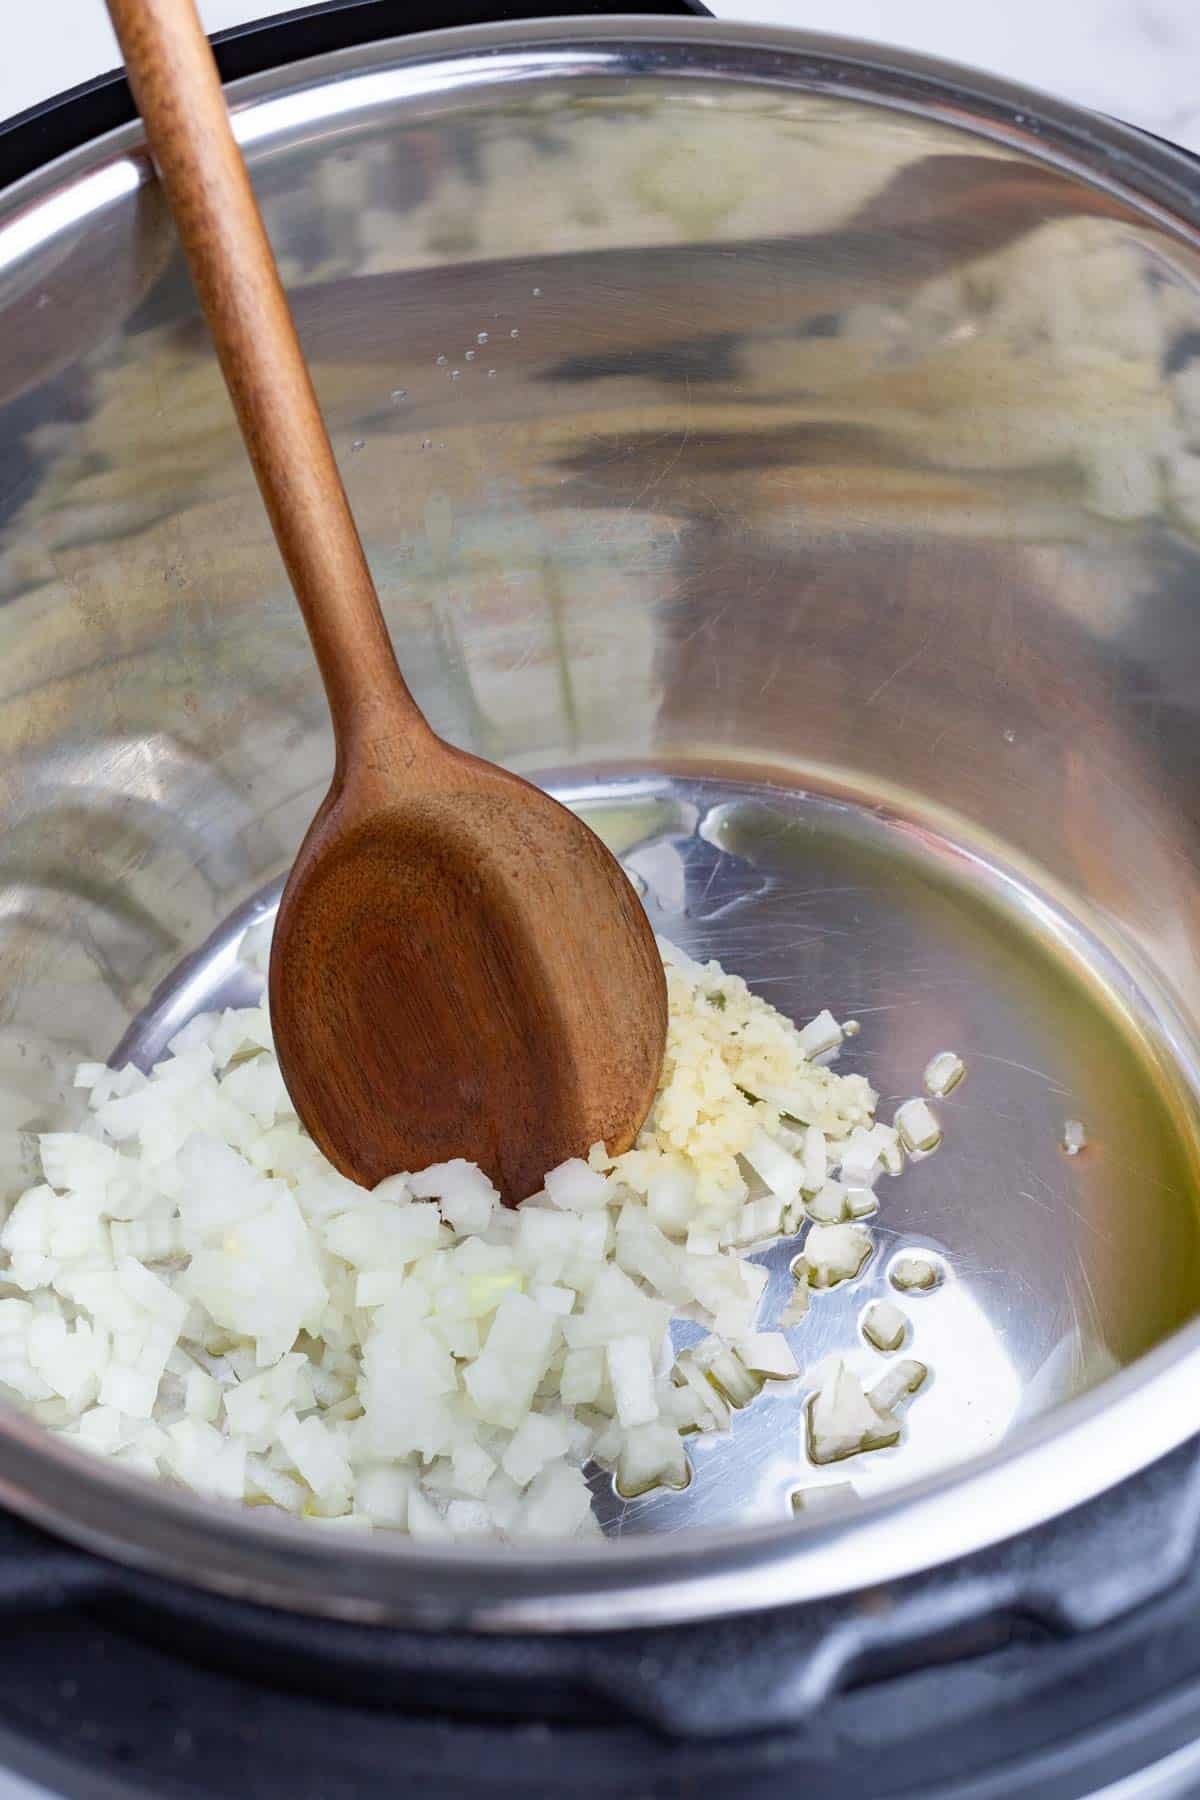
(463, 969)
(460, 967)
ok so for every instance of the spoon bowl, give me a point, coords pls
(463, 969)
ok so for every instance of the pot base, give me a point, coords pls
(1054, 1268)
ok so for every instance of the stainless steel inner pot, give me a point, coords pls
(790, 453)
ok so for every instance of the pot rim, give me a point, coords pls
(1048, 1468)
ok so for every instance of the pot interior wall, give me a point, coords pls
(808, 490)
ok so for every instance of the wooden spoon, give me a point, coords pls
(460, 967)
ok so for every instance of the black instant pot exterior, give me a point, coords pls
(1052, 1667)
(1057, 1666)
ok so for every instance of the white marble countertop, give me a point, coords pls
(1138, 59)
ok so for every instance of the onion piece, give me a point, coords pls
(631, 1374)
(504, 1376)
(819, 1036)
(884, 1325)
(829, 1205)
(828, 1497)
(710, 1409)
(943, 1072)
(651, 1456)
(582, 1377)
(914, 1273)
(835, 1253)
(726, 1371)
(841, 1420)
(539, 1439)
(901, 1381)
(768, 1353)
(1074, 1136)
(574, 1187)
(464, 1193)
(782, 1172)
(209, 1300)
(917, 1125)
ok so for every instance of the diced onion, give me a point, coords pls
(943, 1072)
(829, 1205)
(631, 1372)
(1074, 1136)
(829, 1497)
(820, 1035)
(651, 1456)
(914, 1273)
(918, 1126)
(195, 1292)
(841, 1419)
(834, 1253)
(576, 1188)
(884, 1325)
(900, 1381)
(768, 1353)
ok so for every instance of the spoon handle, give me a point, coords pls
(178, 91)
